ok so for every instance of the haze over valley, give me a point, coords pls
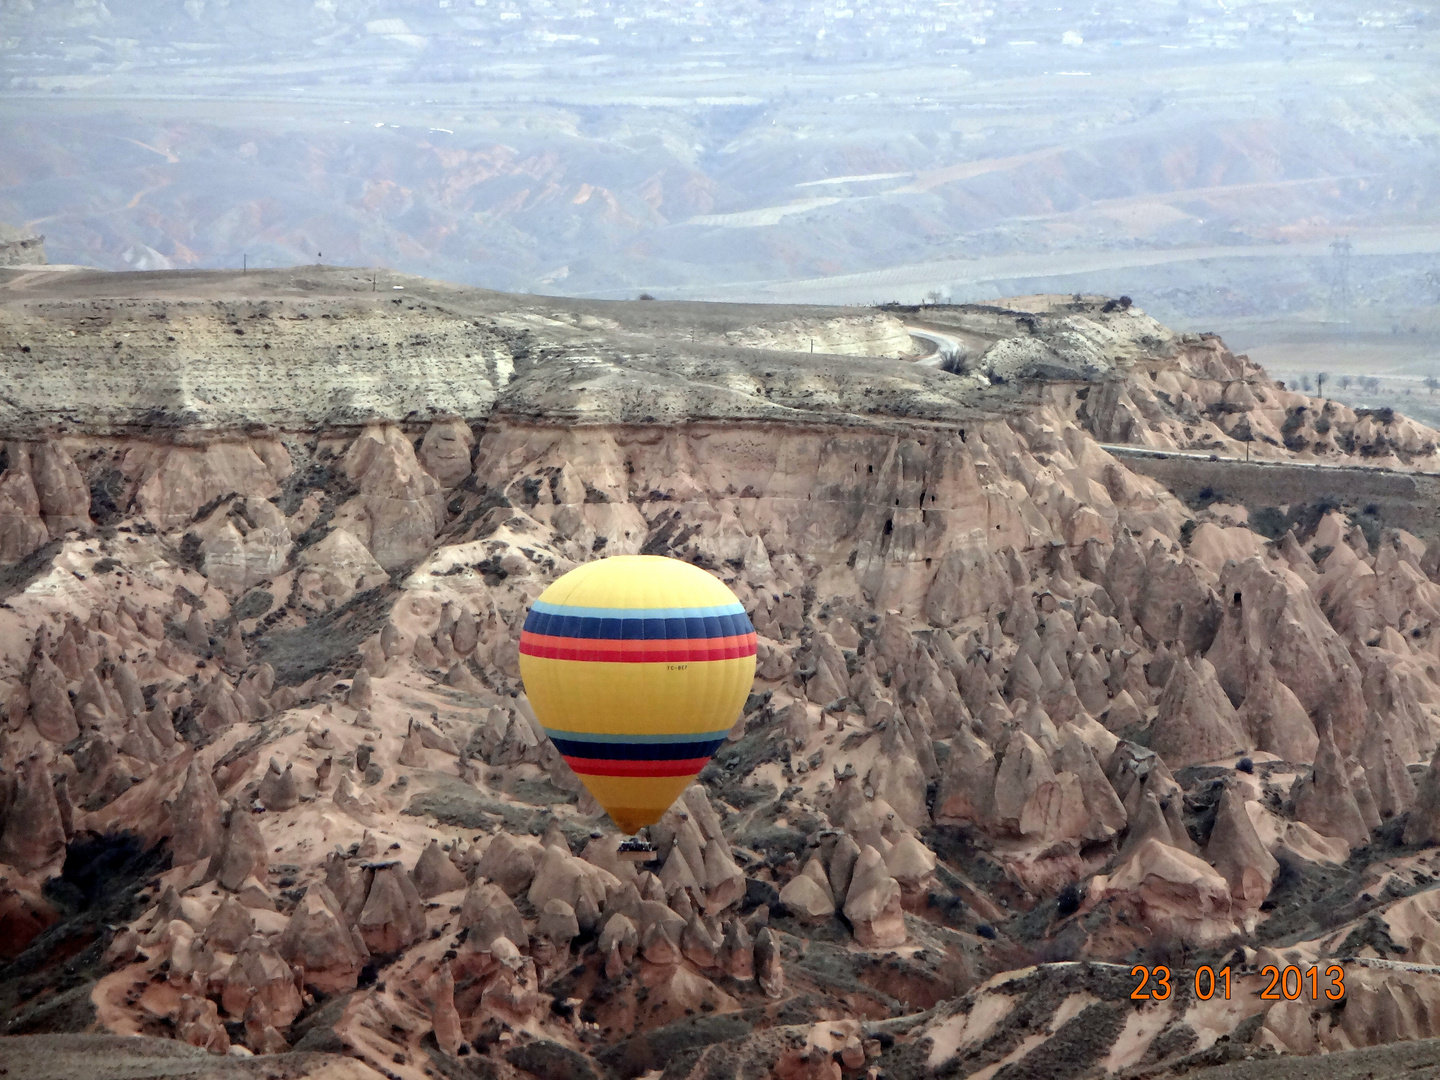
(1200, 156)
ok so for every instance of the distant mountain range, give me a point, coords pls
(802, 151)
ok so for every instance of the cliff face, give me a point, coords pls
(268, 620)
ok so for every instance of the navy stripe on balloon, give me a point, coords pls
(608, 751)
(579, 626)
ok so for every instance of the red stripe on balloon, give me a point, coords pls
(675, 650)
(602, 767)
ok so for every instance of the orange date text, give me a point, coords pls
(1292, 983)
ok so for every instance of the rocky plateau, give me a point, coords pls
(273, 801)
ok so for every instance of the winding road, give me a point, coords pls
(943, 343)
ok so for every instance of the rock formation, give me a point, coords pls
(1008, 684)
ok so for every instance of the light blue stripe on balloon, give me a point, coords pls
(586, 736)
(637, 613)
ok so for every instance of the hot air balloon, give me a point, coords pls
(637, 666)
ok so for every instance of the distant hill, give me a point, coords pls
(20, 248)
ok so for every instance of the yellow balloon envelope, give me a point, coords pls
(637, 667)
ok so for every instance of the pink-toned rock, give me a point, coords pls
(160, 725)
(235, 654)
(1325, 801)
(1279, 621)
(400, 505)
(196, 817)
(466, 635)
(339, 566)
(317, 940)
(50, 705)
(969, 581)
(699, 945)
(197, 1022)
(910, 863)
(64, 494)
(279, 790)
(660, 943)
(197, 634)
(1031, 799)
(1105, 813)
(127, 685)
(1149, 822)
(1386, 773)
(412, 749)
(872, 903)
(361, 695)
(898, 776)
(1422, 825)
(259, 973)
(967, 789)
(808, 895)
(393, 915)
(92, 694)
(562, 876)
(737, 952)
(557, 924)
(769, 971)
(1173, 892)
(242, 852)
(1275, 719)
(187, 477)
(1195, 722)
(434, 873)
(21, 528)
(32, 835)
(1364, 797)
(487, 913)
(509, 864)
(230, 926)
(841, 868)
(445, 451)
(618, 943)
(1236, 852)
(444, 1017)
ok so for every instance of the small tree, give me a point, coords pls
(1431, 383)
(1346, 381)
(1371, 384)
(1305, 383)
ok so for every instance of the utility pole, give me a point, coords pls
(244, 264)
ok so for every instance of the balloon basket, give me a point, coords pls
(637, 851)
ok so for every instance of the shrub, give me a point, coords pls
(1068, 902)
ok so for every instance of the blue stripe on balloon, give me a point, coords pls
(638, 613)
(636, 751)
(596, 737)
(609, 628)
